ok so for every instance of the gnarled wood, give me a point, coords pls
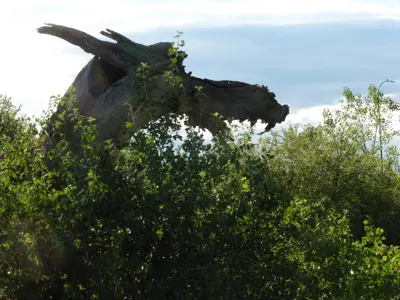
(109, 80)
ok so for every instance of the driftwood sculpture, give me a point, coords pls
(110, 79)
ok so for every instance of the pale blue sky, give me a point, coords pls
(304, 50)
(305, 65)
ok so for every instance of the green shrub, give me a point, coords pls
(202, 221)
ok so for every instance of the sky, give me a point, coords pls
(304, 51)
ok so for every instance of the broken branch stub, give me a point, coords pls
(109, 80)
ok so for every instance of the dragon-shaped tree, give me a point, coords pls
(111, 78)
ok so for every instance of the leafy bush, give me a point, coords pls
(299, 215)
(341, 159)
(219, 220)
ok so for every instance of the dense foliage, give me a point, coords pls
(300, 214)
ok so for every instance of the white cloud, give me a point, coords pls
(144, 15)
(314, 115)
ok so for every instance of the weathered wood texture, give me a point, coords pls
(109, 80)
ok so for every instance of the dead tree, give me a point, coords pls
(110, 79)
